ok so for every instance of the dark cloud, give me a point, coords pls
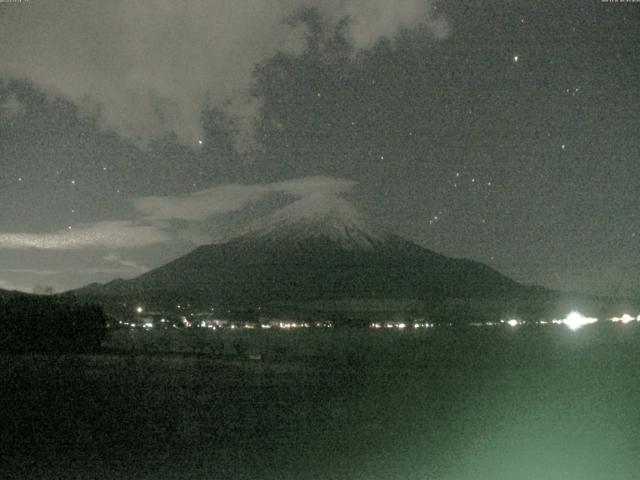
(152, 68)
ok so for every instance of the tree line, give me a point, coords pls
(49, 324)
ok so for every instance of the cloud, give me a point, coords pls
(125, 263)
(155, 214)
(150, 68)
(199, 206)
(110, 234)
(11, 108)
(371, 20)
(4, 285)
(125, 266)
(31, 271)
(301, 187)
(13, 286)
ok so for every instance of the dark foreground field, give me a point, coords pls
(544, 403)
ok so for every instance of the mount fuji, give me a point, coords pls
(319, 248)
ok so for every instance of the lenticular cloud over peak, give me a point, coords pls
(150, 69)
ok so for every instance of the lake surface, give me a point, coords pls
(452, 404)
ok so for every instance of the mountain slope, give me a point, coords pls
(318, 216)
(319, 248)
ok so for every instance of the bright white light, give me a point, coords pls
(576, 320)
(139, 309)
(513, 322)
(626, 318)
(148, 325)
(401, 325)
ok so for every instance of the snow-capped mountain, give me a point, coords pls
(317, 248)
(318, 216)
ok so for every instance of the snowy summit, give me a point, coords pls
(319, 216)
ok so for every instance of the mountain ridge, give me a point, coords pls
(319, 248)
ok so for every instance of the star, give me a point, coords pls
(516, 58)
(200, 142)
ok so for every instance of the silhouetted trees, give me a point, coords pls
(49, 324)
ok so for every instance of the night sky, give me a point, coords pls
(505, 132)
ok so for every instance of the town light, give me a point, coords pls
(576, 320)
(625, 318)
